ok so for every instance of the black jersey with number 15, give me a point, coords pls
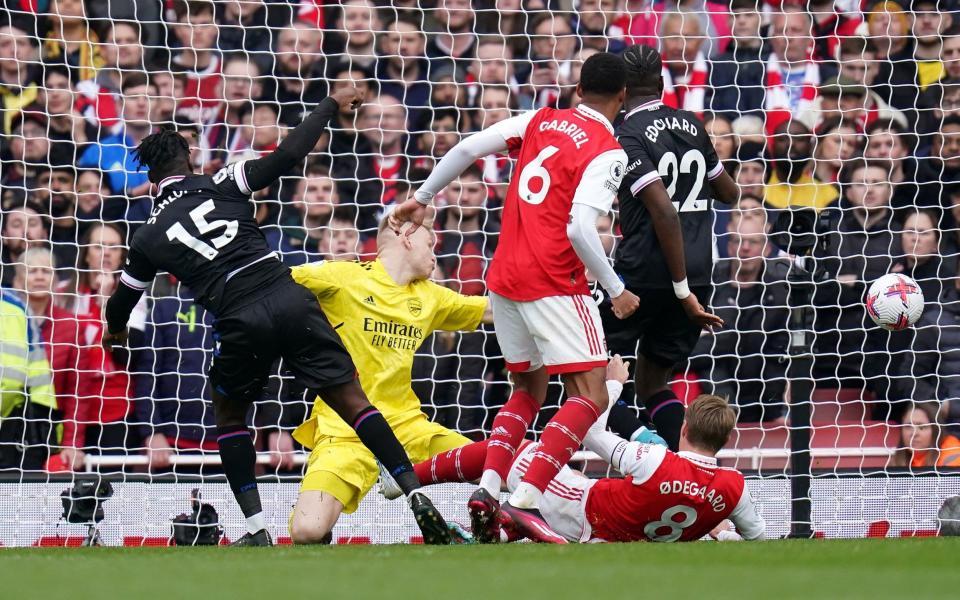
(670, 145)
(202, 231)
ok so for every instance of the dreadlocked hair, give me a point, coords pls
(644, 67)
(165, 150)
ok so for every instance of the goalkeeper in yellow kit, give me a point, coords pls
(383, 310)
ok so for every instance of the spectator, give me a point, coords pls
(224, 135)
(22, 227)
(357, 21)
(20, 71)
(340, 239)
(831, 27)
(888, 26)
(685, 70)
(70, 40)
(446, 83)
(114, 153)
(924, 442)
(402, 70)
(721, 135)
(848, 349)
(29, 148)
(885, 141)
(837, 143)
(67, 128)
(792, 76)
(921, 259)
(843, 99)
(938, 173)
(552, 48)
(455, 39)
(494, 66)
(314, 199)
(742, 359)
(496, 104)
(737, 75)
(750, 171)
(298, 82)
(198, 57)
(245, 27)
(28, 406)
(441, 133)
(169, 86)
(106, 387)
(643, 22)
(350, 154)
(384, 126)
(929, 24)
(930, 369)
(94, 203)
(60, 334)
(172, 402)
(467, 234)
(594, 22)
(792, 182)
(569, 84)
(859, 64)
(55, 193)
(122, 52)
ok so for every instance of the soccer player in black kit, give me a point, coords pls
(203, 232)
(666, 255)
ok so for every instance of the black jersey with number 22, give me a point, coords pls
(202, 231)
(669, 145)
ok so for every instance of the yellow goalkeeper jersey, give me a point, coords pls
(382, 325)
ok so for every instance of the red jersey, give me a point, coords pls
(563, 157)
(668, 497)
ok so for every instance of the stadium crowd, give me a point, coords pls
(851, 108)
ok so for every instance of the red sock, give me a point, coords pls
(509, 427)
(561, 438)
(457, 465)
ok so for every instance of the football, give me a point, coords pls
(894, 302)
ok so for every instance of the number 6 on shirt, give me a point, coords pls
(536, 170)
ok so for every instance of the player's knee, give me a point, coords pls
(311, 531)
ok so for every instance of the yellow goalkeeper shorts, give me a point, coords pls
(345, 469)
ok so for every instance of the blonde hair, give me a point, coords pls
(710, 420)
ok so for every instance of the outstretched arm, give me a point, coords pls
(491, 140)
(262, 172)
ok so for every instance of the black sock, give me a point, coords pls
(376, 435)
(666, 412)
(239, 461)
(623, 420)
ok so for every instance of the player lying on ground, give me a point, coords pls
(666, 255)
(568, 170)
(202, 231)
(383, 311)
(662, 497)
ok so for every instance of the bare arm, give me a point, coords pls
(725, 189)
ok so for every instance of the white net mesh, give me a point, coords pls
(850, 108)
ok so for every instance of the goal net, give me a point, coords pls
(848, 109)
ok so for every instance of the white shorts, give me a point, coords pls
(562, 332)
(564, 505)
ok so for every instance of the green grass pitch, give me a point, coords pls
(777, 570)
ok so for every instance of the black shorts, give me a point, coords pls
(660, 327)
(288, 324)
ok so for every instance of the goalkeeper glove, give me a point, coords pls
(648, 436)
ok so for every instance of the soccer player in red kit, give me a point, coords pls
(663, 496)
(569, 167)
